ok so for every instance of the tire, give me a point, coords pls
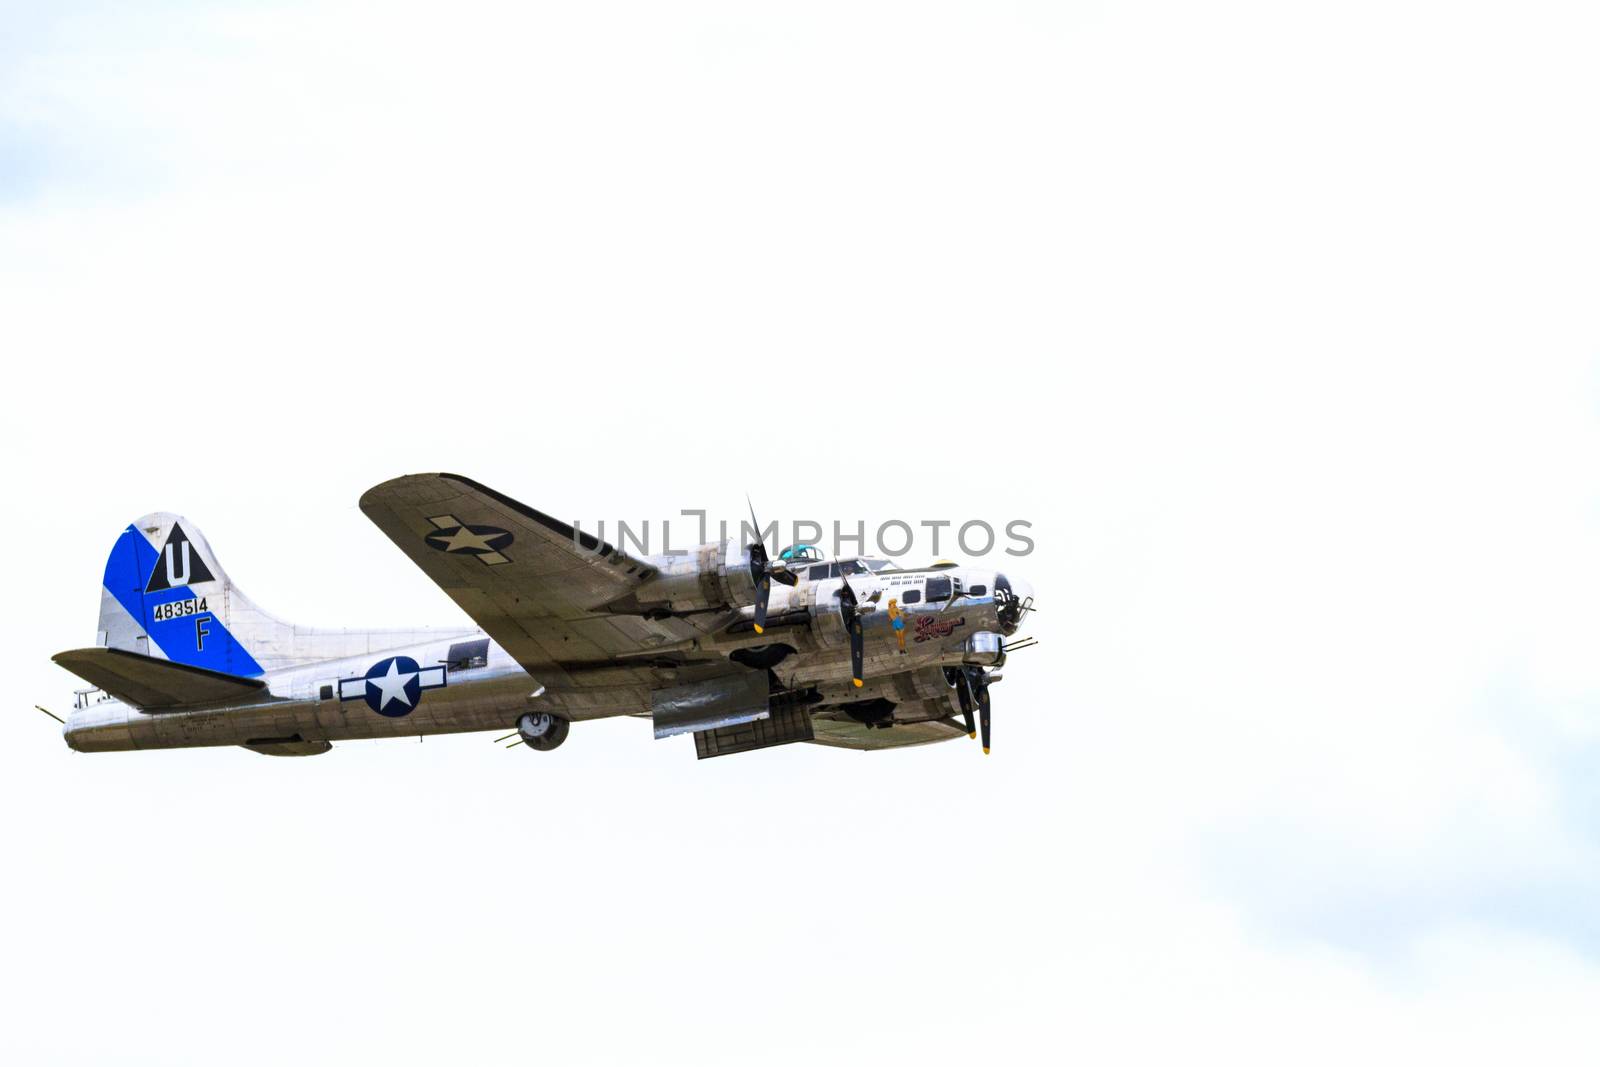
(542, 731)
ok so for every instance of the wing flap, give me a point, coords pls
(726, 699)
(155, 684)
(786, 724)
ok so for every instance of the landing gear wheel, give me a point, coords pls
(542, 731)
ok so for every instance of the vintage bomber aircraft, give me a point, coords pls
(726, 642)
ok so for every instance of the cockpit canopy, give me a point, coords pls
(809, 564)
(816, 572)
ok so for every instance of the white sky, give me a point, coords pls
(1278, 323)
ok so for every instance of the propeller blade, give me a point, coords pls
(964, 695)
(759, 567)
(852, 624)
(755, 523)
(763, 590)
(983, 716)
(856, 652)
(763, 570)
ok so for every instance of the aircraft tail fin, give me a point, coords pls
(166, 596)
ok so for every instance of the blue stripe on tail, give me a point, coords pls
(200, 639)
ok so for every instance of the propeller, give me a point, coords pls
(764, 571)
(850, 612)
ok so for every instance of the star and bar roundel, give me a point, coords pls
(393, 686)
(451, 535)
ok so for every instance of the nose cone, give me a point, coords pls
(1015, 597)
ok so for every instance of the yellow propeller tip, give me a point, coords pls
(985, 752)
(859, 682)
(760, 630)
(973, 735)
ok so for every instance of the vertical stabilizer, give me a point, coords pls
(165, 595)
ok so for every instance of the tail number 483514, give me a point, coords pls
(179, 609)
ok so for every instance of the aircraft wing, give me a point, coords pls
(533, 584)
(838, 734)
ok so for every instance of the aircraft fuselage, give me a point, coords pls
(466, 682)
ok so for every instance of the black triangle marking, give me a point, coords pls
(178, 563)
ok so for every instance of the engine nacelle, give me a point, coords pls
(715, 575)
(985, 648)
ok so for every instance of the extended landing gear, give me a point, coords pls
(542, 730)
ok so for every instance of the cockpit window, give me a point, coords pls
(833, 570)
(877, 564)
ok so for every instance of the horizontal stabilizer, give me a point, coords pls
(155, 684)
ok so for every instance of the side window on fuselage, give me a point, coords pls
(911, 596)
(938, 589)
(818, 572)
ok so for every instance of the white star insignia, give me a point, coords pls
(392, 686)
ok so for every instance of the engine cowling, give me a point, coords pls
(715, 575)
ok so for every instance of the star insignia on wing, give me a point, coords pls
(475, 539)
